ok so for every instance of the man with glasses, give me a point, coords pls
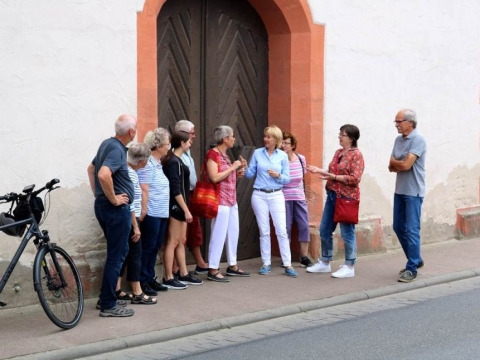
(408, 161)
(194, 229)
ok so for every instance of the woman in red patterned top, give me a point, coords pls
(225, 227)
(343, 178)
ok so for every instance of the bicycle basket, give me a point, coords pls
(21, 211)
(7, 219)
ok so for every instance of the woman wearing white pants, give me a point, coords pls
(272, 170)
(225, 227)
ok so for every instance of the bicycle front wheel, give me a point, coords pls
(61, 301)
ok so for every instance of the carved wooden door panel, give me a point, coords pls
(213, 70)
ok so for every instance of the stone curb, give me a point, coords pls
(152, 337)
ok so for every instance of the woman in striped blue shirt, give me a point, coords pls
(137, 158)
(154, 215)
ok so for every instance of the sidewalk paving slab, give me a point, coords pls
(27, 331)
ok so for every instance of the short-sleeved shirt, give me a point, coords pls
(179, 176)
(113, 154)
(294, 191)
(351, 166)
(411, 182)
(159, 188)
(136, 205)
(227, 187)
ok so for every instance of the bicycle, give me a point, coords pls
(55, 276)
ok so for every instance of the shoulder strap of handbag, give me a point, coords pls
(182, 181)
(303, 172)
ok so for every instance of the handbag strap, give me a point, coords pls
(303, 172)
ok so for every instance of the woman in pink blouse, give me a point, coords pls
(343, 178)
(225, 227)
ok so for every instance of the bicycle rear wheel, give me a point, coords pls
(63, 303)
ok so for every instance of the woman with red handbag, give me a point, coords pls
(225, 227)
(343, 178)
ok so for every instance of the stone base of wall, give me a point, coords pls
(468, 223)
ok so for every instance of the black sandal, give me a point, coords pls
(125, 296)
(143, 299)
(215, 277)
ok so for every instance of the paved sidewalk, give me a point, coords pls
(213, 306)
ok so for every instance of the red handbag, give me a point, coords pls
(346, 210)
(204, 201)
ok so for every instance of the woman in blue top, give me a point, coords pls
(154, 208)
(272, 170)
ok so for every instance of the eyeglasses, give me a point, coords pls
(399, 121)
(286, 143)
(189, 133)
(342, 135)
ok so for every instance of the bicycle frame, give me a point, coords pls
(41, 239)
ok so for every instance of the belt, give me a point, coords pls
(267, 190)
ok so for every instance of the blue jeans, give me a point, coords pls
(328, 226)
(407, 211)
(115, 222)
(153, 231)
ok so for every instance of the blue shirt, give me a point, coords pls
(113, 154)
(136, 205)
(411, 182)
(261, 162)
(188, 160)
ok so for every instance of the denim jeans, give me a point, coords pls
(407, 211)
(153, 231)
(328, 226)
(115, 222)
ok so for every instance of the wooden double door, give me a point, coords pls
(213, 70)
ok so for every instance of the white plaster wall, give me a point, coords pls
(384, 55)
(68, 69)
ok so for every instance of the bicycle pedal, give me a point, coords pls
(3, 304)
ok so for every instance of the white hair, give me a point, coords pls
(124, 124)
(184, 125)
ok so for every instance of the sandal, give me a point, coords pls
(121, 295)
(143, 299)
(238, 272)
(215, 277)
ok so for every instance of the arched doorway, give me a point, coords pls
(295, 79)
(212, 68)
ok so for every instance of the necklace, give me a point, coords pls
(225, 157)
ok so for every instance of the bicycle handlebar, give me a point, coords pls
(49, 186)
(13, 196)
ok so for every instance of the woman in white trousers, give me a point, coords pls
(272, 170)
(225, 227)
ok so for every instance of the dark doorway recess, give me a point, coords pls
(213, 70)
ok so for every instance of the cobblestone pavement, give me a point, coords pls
(227, 337)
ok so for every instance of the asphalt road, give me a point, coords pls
(441, 322)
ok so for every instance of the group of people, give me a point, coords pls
(144, 191)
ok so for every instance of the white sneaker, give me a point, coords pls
(319, 267)
(344, 272)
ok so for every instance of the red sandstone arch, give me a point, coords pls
(296, 82)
